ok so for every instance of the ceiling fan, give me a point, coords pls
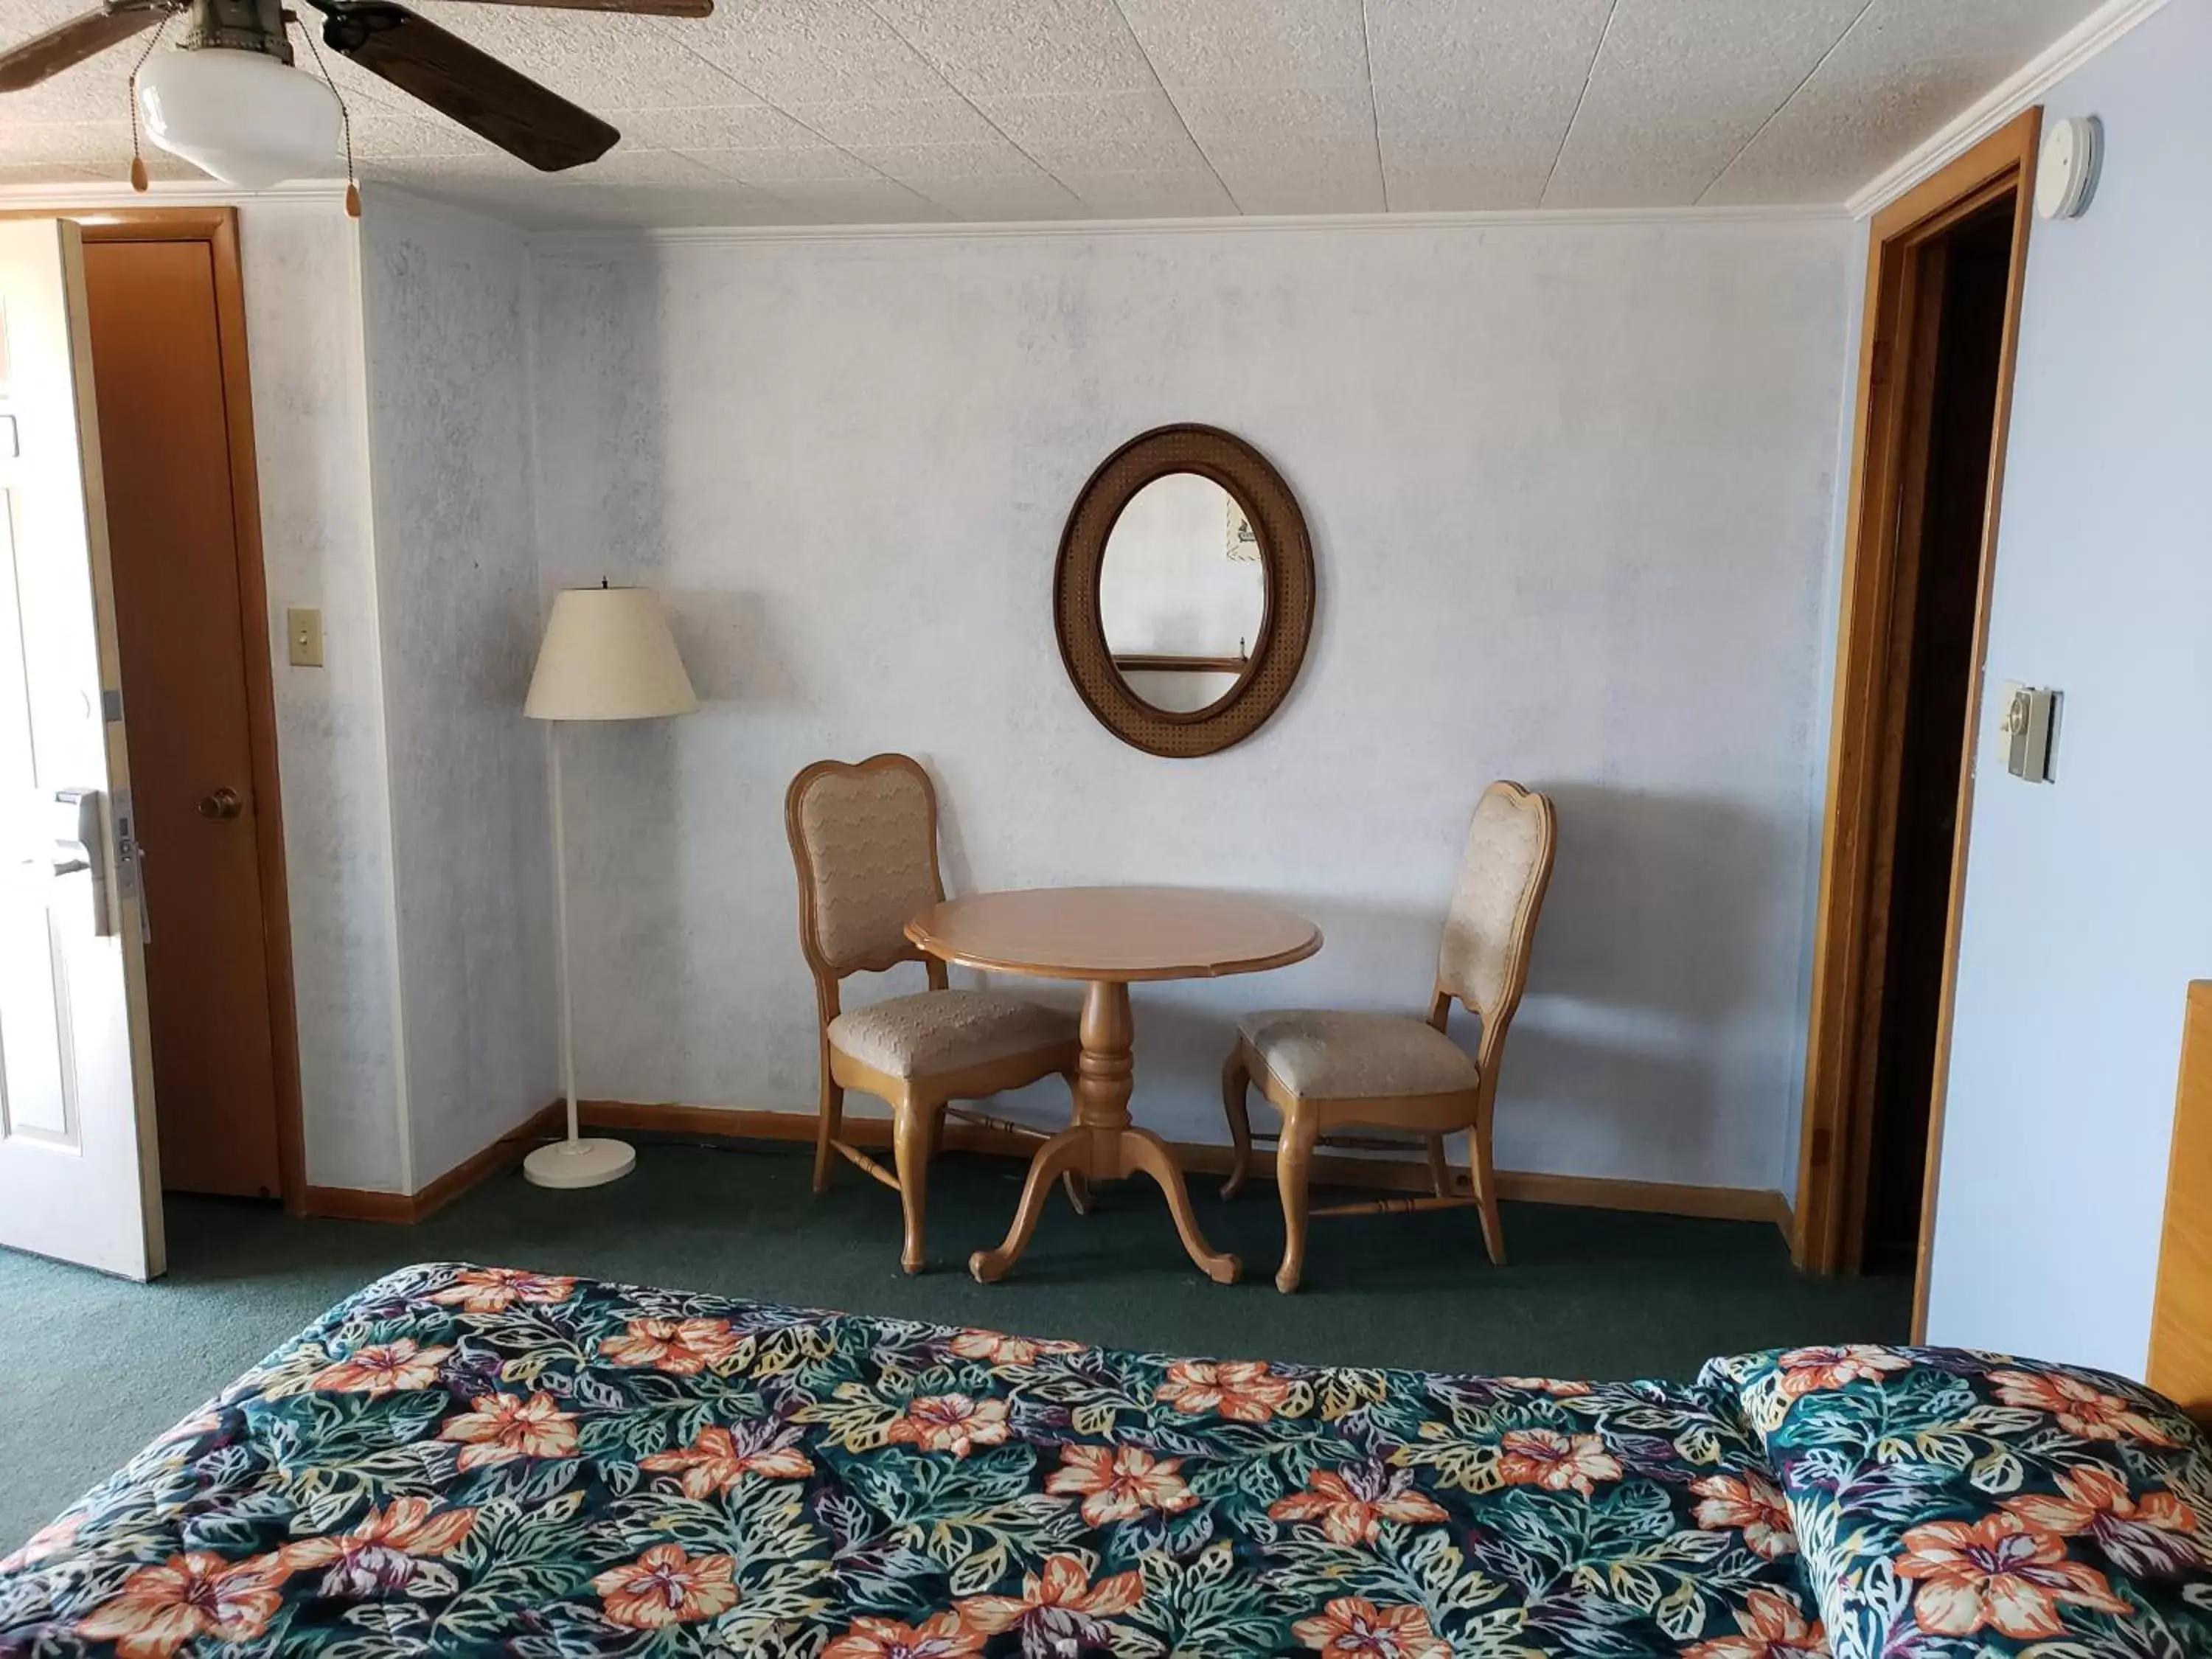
(230, 102)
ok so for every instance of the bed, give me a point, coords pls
(462, 1459)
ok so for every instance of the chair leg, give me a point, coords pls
(829, 1120)
(1485, 1188)
(1439, 1171)
(1235, 1080)
(913, 1134)
(1293, 1167)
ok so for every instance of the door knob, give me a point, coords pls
(225, 803)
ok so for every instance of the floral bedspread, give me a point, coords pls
(470, 1460)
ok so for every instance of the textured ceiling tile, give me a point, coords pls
(625, 166)
(492, 168)
(780, 166)
(993, 158)
(942, 120)
(1497, 80)
(1676, 92)
(1285, 43)
(1190, 193)
(602, 62)
(856, 202)
(1260, 115)
(1531, 53)
(515, 205)
(1299, 176)
(613, 207)
(34, 144)
(747, 125)
(1443, 189)
(13, 173)
(1503, 176)
(425, 132)
(998, 47)
(1003, 200)
(1135, 131)
(811, 51)
(1905, 69)
(1473, 99)
(58, 149)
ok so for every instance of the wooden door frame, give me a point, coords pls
(217, 227)
(1848, 968)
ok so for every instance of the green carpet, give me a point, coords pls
(92, 1368)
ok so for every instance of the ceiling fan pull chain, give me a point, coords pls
(345, 116)
(138, 180)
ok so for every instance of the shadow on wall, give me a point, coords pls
(732, 648)
(1649, 981)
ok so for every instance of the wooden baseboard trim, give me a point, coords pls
(355, 1204)
(749, 1123)
(1329, 1169)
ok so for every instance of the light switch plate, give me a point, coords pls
(303, 633)
(2027, 718)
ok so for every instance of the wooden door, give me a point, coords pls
(75, 1101)
(173, 517)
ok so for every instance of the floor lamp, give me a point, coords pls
(607, 655)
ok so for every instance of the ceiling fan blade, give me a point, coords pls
(640, 8)
(43, 55)
(525, 119)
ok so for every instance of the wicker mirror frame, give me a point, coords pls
(1286, 559)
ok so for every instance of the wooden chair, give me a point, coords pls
(864, 840)
(1321, 1069)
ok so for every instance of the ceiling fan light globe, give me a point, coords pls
(240, 116)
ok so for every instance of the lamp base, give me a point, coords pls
(579, 1163)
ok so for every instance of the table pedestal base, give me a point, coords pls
(1103, 1145)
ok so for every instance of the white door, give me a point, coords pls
(78, 1178)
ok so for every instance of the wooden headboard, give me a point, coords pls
(2181, 1317)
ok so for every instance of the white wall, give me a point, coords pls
(2088, 901)
(445, 296)
(1571, 489)
(303, 323)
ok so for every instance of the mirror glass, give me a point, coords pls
(1182, 592)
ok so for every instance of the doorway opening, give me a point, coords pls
(1943, 284)
(165, 310)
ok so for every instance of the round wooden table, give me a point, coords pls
(1110, 938)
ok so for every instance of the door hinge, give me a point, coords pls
(1878, 369)
(111, 706)
(1823, 1140)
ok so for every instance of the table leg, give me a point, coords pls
(1102, 1145)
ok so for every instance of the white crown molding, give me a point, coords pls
(2001, 102)
(585, 240)
(93, 194)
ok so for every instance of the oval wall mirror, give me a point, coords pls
(1184, 594)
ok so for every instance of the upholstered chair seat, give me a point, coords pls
(1325, 1070)
(1322, 1054)
(933, 1032)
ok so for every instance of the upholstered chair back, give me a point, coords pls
(865, 840)
(1483, 960)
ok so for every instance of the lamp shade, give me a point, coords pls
(608, 656)
(242, 116)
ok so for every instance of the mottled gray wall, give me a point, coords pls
(303, 327)
(1572, 490)
(444, 303)
(2088, 900)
